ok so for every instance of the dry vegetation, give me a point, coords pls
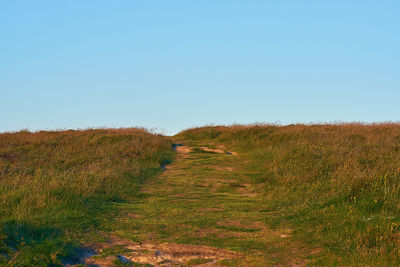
(274, 195)
(338, 186)
(55, 186)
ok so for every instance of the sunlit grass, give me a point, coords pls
(56, 186)
(338, 186)
(318, 194)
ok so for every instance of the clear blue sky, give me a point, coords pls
(177, 64)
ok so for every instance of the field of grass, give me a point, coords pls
(262, 195)
(58, 188)
(336, 186)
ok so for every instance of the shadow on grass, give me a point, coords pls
(24, 244)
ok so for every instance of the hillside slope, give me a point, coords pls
(336, 186)
(201, 210)
(296, 195)
(58, 188)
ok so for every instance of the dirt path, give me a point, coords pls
(202, 210)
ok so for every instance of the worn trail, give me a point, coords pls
(202, 210)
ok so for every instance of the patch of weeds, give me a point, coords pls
(237, 229)
(228, 262)
(115, 250)
(119, 263)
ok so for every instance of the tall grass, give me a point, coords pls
(57, 185)
(338, 186)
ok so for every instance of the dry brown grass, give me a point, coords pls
(338, 184)
(53, 184)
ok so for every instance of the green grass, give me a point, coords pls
(58, 188)
(320, 195)
(197, 202)
(336, 186)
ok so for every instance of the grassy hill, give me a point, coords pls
(236, 196)
(56, 188)
(337, 186)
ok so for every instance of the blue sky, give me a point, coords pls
(172, 64)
